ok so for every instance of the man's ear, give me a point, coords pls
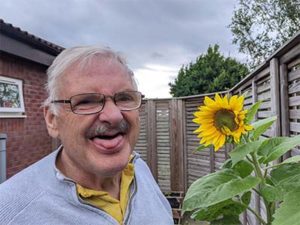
(51, 122)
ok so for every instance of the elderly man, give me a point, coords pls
(94, 177)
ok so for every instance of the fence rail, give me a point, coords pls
(167, 141)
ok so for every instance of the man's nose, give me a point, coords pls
(110, 112)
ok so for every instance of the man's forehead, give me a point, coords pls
(97, 65)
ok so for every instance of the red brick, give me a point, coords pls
(28, 140)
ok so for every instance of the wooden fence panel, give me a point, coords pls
(141, 146)
(198, 163)
(294, 101)
(163, 145)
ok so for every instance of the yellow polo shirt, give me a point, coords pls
(101, 199)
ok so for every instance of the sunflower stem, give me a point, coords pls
(254, 213)
(257, 168)
(257, 215)
(259, 174)
(266, 173)
(249, 159)
(256, 191)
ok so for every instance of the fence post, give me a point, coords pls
(275, 95)
(257, 197)
(284, 97)
(3, 138)
(151, 138)
(177, 146)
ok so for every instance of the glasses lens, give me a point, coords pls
(87, 103)
(128, 100)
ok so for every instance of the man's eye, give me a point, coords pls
(124, 98)
(87, 101)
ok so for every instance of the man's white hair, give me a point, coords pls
(81, 55)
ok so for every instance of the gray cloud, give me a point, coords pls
(164, 32)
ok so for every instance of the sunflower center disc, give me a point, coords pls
(225, 118)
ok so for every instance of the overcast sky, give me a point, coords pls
(156, 36)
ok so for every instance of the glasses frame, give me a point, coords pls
(69, 101)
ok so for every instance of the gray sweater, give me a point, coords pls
(41, 195)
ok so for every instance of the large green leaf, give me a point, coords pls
(271, 193)
(252, 111)
(261, 126)
(225, 208)
(215, 188)
(269, 144)
(240, 152)
(228, 207)
(286, 176)
(227, 164)
(288, 213)
(294, 159)
(282, 148)
(243, 168)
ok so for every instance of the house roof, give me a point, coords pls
(21, 35)
(20, 43)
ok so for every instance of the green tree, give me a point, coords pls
(210, 73)
(259, 27)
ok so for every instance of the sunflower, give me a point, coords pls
(221, 118)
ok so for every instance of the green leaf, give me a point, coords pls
(286, 176)
(246, 198)
(293, 159)
(288, 213)
(227, 164)
(201, 148)
(229, 220)
(244, 168)
(225, 208)
(271, 193)
(215, 188)
(251, 112)
(241, 151)
(269, 144)
(282, 148)
(261, 126)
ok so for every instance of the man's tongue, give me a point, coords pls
(108, 142)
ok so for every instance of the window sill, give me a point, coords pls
(11, 115)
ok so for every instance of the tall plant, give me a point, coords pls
(222, 196)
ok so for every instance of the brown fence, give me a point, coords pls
(167, 141)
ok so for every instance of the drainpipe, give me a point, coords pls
(3, 138)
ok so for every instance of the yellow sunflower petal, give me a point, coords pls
(225, 102)
(220, 142)
(233, 100)
(219, 118)
(203, 113)
(219, 100)
(208, 101)
(240, 101)
(248, 127)
(209, 131)
(216, 142)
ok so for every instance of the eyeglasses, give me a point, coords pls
(91, 103)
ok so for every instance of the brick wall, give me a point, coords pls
(28, 140)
